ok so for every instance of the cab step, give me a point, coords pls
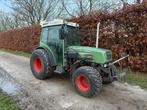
(59, 70)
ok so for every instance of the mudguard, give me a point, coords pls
(53, 61)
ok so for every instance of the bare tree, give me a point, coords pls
(141, 1)
(138, 1)
(65, 4)
(108, 5)
(125, 3)
(33, 11)
(84, 7)
(5, 23)
(10, 21)
(144, 1)
(81, 7)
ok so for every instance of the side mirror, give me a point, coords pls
(62, 34)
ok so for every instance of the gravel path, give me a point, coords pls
(57, 93)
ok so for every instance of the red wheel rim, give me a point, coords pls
(82, 83)
(37, 64)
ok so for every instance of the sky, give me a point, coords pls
(5, 4)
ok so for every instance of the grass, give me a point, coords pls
(135, 78)
(21, 53)
(6, 102)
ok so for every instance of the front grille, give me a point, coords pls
(109, 55)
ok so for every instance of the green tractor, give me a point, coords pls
(60, 52)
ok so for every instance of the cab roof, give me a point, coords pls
(57, 22)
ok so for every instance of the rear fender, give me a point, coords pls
(50, 53)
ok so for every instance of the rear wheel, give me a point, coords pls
(87, 81)
(40, 64)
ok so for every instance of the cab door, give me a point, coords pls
(55, 43)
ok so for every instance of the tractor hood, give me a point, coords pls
(96, 55)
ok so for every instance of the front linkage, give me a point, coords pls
(87, 78)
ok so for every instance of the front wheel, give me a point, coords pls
(87, 81)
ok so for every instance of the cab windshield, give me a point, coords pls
(73, 35)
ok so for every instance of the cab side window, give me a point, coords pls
(53, 39)
(44, 34)
(54, 34)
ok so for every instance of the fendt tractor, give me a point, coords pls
(60, 52)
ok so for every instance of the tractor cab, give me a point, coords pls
(57, 35)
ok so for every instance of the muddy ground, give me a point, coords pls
(57, 93)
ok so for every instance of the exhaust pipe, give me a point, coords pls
(97, 35)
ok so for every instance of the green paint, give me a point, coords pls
(43, 45)
(50, 40)
(99, 55)
(63, 61)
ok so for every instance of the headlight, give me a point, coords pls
(105, 65)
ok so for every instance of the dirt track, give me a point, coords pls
(57, 92)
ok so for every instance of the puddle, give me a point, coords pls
(7, 83)
(9, 88)
(13, 88)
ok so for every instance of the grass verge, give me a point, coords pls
(6, 102)
(135, 78)
(21, 53)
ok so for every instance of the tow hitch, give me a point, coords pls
(121, 75)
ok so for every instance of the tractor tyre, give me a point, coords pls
(40, 64)
(87, 81)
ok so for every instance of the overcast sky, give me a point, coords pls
(4, 5)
